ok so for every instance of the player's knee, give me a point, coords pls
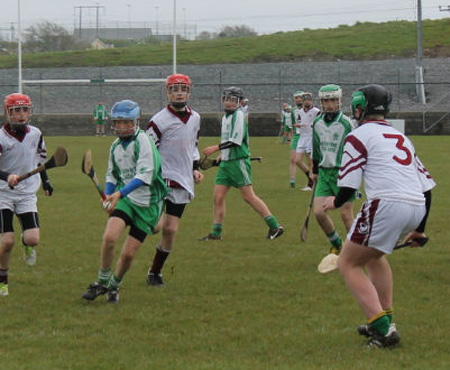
(170, 230)
(7, 243)
(109, 240)
(31, 241)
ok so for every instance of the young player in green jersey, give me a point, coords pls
(135, 192)
(329, 131)
(287, 122)
(235, 168)
(100, 116)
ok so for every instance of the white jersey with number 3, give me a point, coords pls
(387, 161)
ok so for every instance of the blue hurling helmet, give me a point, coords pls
(125, 110)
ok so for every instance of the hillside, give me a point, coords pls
(362, 41)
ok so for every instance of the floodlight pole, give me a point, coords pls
(19, 49)
(174, 36)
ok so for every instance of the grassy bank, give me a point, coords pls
(362, 41)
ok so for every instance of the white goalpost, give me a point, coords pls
(22, 82)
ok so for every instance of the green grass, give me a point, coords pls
(362, 41)
(241, 303)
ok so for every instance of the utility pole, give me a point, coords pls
(97, 19)
(419, 63)
(19, 49)
(174, 36)
(156, 18)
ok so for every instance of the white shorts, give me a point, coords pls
(304, 144)
(380, 223)
(179, 196)
(19, 203)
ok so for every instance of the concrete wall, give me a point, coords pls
(264, 124)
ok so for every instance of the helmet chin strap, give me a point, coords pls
(18, 128)
(178, 104)
(330, 116)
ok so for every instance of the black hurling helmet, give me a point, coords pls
(373, 99)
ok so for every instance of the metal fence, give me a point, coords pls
(267, 85)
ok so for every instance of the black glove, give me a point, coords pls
(48, 187)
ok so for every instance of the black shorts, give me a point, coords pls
(134, 231)
(28, 220)
(173, 209)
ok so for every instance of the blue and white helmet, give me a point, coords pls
(125, 110)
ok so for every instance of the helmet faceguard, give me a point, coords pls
(307, 97)
(371, 100)
(121, 112)
(231, 98)
(298, 98)
(178, 89)
(17, 109)
(330, 92)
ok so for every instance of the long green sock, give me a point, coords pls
(217, 229)
(271, 221)
(104, 276)
(380, 323)
(114, 282)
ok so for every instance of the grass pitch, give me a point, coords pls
(241, 303)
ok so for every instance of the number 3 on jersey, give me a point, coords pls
(400, 141)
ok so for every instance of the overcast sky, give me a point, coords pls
(263, 16)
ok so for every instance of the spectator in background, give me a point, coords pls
(100, 116)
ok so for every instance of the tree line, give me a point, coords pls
(49, 37)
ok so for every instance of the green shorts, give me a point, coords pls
(144, 218)
(327, 183)
(100, 122)
(294, 140)
(236, 173)
(286, 128)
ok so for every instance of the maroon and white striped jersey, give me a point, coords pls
(176, 137)
(19, 155)
(386, 160)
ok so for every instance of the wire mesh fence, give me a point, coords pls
(267, 85)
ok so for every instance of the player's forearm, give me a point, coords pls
(315, 167)
(195, 165)
(132, 185)
(4, 175)
(227, 145)
(421, 227)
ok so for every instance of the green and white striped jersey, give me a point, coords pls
(235, 129)
(100, 112)
(328, 140)
(137, 158)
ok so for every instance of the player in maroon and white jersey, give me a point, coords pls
(398, 190)
(22, 149)
(175, 130)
